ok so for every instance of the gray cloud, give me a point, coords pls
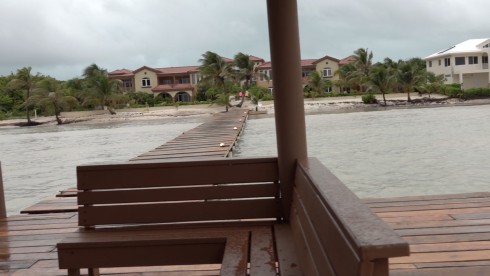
(61, 37)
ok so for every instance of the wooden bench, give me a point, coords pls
(334, 232)
(192, 212)
(224, 211)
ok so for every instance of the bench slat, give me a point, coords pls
(235, 258)
(177, 194)
(178, 212)
(325, 233)
(314, 259)
(262, 257)
(374, 238)
(287, 252)
(158, 174)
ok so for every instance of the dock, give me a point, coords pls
(447, 234)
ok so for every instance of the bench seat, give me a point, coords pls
(228, 212)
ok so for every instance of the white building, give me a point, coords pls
(465, 63)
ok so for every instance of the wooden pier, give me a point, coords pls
(447, 234)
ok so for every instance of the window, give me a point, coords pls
(486, 45)
(265, 75)
(473, 60)
(195, 78)
(145, 82)
(459, 60)
(430, 63)
(439, 62)
(128, 83)
(306, 73)
(184, 80)
(327, 72)
(167, 81)
(484, 59)
(447, 62)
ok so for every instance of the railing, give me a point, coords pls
(485, 66)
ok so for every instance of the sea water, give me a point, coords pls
(396, 152)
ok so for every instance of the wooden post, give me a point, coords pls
(3, 210)
(288, 92)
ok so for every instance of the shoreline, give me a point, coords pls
(319, 105)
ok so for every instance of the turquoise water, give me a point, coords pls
(394, 152)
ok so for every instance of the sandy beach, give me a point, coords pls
(327, 104)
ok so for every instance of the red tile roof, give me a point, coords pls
(307, 62)
(178, 70)
(304, 63)
(324, 58)
(121, 72)
(227, 60)
(176, 87)
(265, 65)
(346, 60)
(254, 58)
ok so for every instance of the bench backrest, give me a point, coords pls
(174, 192)
(334, 231)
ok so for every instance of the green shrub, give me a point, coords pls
(473, 93)
(453, 91)
(369, 99)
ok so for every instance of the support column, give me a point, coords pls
(3, 209)
(288, 92)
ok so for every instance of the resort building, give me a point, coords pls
(326, 66)
(181, 83)
(465, 63)
(175, 83)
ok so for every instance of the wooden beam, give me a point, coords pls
(288, 93)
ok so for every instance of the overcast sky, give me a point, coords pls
(62, 37)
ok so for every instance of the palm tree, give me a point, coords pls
(25, 81)
(49, 93)
(382, 79)
(215, 73)
(345, 72)
(363, 61)
(435, 83)
(245, 72)
(317, 84)
(101, 87)
(410, 76)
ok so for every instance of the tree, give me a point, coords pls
(410, 76)
(245, 72)
(381, 79)
(50, 94)
(435, 83)
(316, 84)
(344, 72)
(258, 93)
(215, 74)
(25, 81)
(363, 61)
(101, 87)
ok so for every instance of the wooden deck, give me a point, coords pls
(448, 235)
